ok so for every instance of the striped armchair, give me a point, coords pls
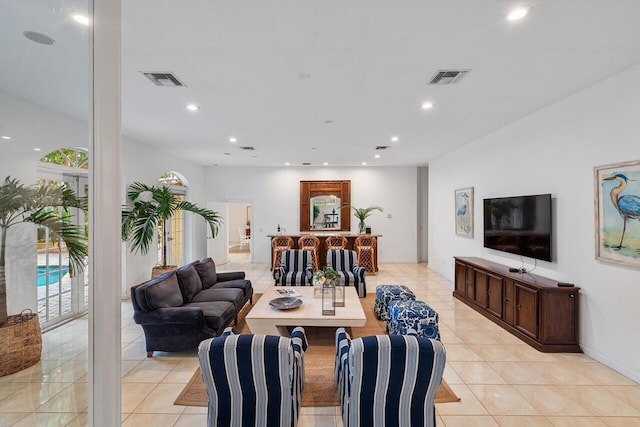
(253, 380)
(295, 269)
(345, 262)
(386, 381)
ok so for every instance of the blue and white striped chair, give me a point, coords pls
(295, 268)
(253, 380)
(388, 381)
(345, 262)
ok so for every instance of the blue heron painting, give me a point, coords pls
(627, 205)
(464, 212)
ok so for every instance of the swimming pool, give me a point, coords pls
(54, 274)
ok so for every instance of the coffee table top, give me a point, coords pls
(309, 313)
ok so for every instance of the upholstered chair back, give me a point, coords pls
(388, 380)
(253, 380)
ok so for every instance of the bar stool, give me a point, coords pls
(310, 243)
(365, 247)
(335, 242)
(279, 244)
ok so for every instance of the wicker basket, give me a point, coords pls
(21, 340)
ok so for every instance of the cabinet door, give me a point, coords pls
(461, 279)
(526, 310)
(509, 302)
(494, 295)
(471, 286)
(481, 288)
(560, 322)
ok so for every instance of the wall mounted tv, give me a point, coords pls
(519, 225)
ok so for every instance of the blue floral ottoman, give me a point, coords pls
(386, 293)
(413, 317)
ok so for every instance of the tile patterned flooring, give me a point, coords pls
(501, 380)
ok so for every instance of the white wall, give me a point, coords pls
(274, 194)
(237, 219)
(554, 151)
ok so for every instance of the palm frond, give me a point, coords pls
(364, 213)
(213, 218)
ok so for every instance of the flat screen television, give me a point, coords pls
(519, 225)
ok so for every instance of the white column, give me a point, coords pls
(104, 209)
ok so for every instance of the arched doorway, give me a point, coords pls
(175, 228)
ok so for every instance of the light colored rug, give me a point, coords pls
(319, 359)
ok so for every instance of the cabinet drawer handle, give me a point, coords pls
(518, 306)
(572, 296)
(506, 300)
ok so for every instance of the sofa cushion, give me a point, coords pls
(243, 284)
(160, 292)
(207, 271)
(234, 296)
(189, 282)
(217, 314)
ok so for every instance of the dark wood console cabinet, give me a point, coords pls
(531, 307)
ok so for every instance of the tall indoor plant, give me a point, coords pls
(362, 214)
(149, 207)
(39, 205)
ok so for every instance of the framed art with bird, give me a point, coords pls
(464, 211)
(617, 197)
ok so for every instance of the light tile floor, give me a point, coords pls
(501, 380)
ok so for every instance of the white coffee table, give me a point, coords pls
(264, 319)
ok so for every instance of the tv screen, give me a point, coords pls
(519, 225)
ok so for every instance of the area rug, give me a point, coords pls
(319, 389)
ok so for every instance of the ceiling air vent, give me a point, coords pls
(163, 79)
(447, 77)
(306, 164)
(247, 148)
(382, 147)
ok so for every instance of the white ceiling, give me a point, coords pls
(368, 63)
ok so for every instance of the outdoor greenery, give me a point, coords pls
(68, 157)
(46, 206)
(149, 208)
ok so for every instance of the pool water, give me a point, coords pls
(54, 274)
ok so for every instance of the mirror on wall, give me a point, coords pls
(325, 213)
(325, 205)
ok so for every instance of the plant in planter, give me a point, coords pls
(362, 214)
(46, 206)
(149, 207)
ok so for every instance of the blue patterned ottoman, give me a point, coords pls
(386, 293)
(413, 317)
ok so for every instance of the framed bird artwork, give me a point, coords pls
(464, 211)
(617, 204)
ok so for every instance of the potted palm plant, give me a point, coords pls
(362, 214)
(150, 207)
(47, 206)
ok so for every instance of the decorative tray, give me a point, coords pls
(285, 303)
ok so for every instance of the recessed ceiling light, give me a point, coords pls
(37, 149)
(326, 163)
(233, 139)
(287, 164)
(395, 139)
(192, 107)
(427, 105)
(518, 13)
(364, 163)
(5, 137)
(328, 121)
(377, 156)
(81, 19)
(39, 38)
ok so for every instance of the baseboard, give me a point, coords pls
(599, 357)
